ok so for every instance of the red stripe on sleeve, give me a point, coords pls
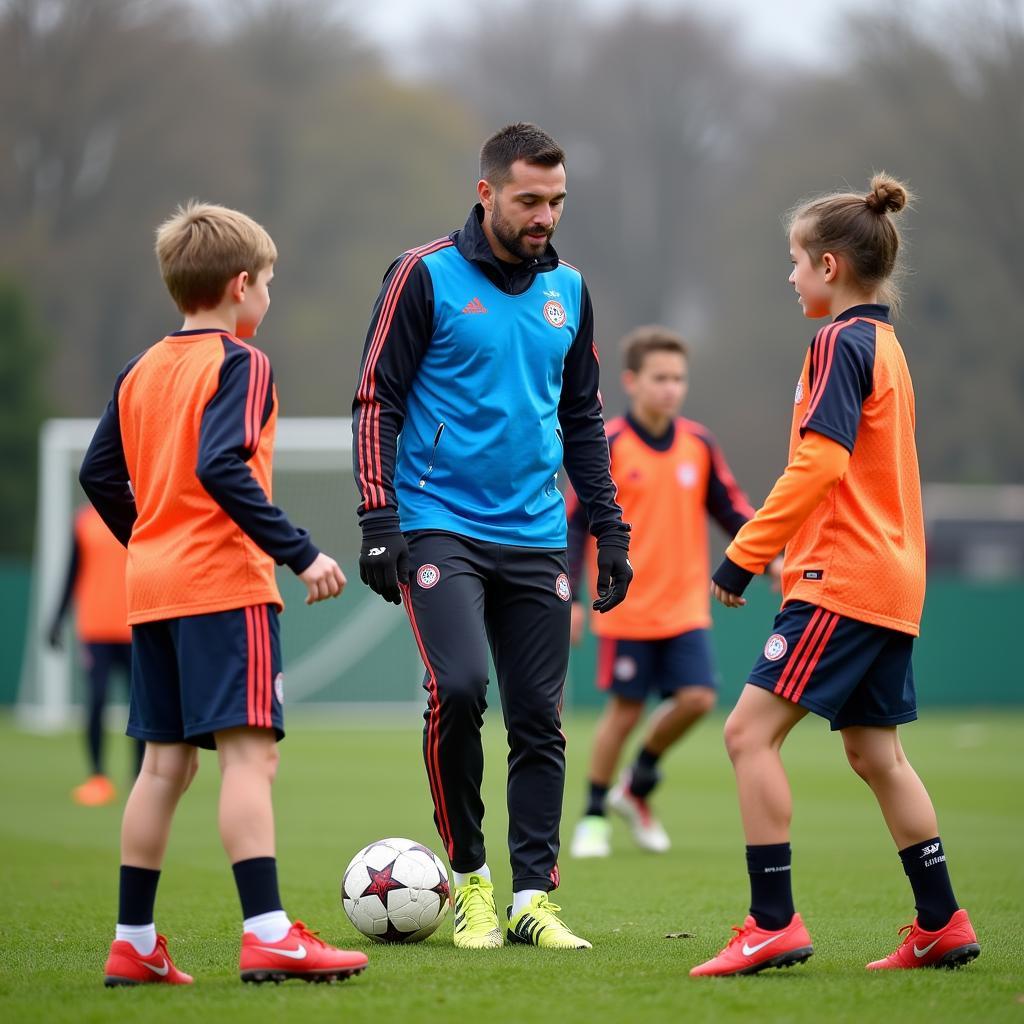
(263, 383)
(824, 349)
(369, 420)
(250, 400)
(373, 492)
(737, 498)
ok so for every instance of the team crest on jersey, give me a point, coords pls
(554, 313)
(562, 588)
(799, 396)
(625, 668)
(686, 474)
(428, 576)
(775, 647)
(279, 687)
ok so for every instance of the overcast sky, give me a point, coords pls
(796, 30)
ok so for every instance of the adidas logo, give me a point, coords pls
(527, 931)
(474, 306)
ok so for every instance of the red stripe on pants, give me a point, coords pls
(433, 732)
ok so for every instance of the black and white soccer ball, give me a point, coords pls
(396, 890)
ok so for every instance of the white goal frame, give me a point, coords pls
(45, 692)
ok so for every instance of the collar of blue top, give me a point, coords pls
(870, 310)
(512, 278)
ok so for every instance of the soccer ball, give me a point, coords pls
(395, 890)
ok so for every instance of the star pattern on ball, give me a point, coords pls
(381, 883)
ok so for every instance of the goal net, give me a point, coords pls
(355, 654)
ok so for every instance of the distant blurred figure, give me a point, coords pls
(95, 581)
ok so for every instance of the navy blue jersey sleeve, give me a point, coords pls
(585, 454)
(401, 326)
(228, 439)
(841, 378)
(104, 473)
(725, 501)
(576, 543)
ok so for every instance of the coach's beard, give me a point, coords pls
(513, 240)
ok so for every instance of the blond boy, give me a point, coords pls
(180, 470)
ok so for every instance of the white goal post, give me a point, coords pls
(356, 653)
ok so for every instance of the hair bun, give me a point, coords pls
(887, 195)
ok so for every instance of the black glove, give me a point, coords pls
(613, 576)
(383, 564)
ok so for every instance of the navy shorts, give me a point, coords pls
(634, 669)
(197, 675)
(849, 672)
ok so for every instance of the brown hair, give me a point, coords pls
(519, 141)
(203, 246)
(642, 341)
(858, 227)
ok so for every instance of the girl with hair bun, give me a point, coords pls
(847, 510)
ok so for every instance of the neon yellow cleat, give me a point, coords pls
(476, 920)
(538, 925)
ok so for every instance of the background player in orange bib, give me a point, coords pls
(180, 470)
(848, 512)
(95, 582)
(670, 475)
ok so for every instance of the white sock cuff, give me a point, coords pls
(461, 878)
(521, 899)
(141, 936)
(272, 926)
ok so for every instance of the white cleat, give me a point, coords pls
(648, 832)
(592, 838)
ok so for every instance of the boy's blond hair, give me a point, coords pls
(203, 246)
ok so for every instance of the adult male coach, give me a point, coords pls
(479, 378)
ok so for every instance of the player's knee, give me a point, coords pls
(172, 764)
(263, 759)
(739, 735)
(732, 734)
(193, 767)
(463, 691)
(624, 714)
(695, 701)
(871, 762)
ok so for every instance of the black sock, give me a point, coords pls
(94, 740)
(595, 800)
(771, 889)
(256, 879)
(644, 774)
(137, 895)
(925, 865)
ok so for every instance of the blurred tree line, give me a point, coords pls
(683, 155)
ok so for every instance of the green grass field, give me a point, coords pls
(341, 787)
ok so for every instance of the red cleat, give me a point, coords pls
(754, 949)
(951, 946)
(125, 966)
(300, 954)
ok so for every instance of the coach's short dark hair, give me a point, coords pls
(519, 141)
